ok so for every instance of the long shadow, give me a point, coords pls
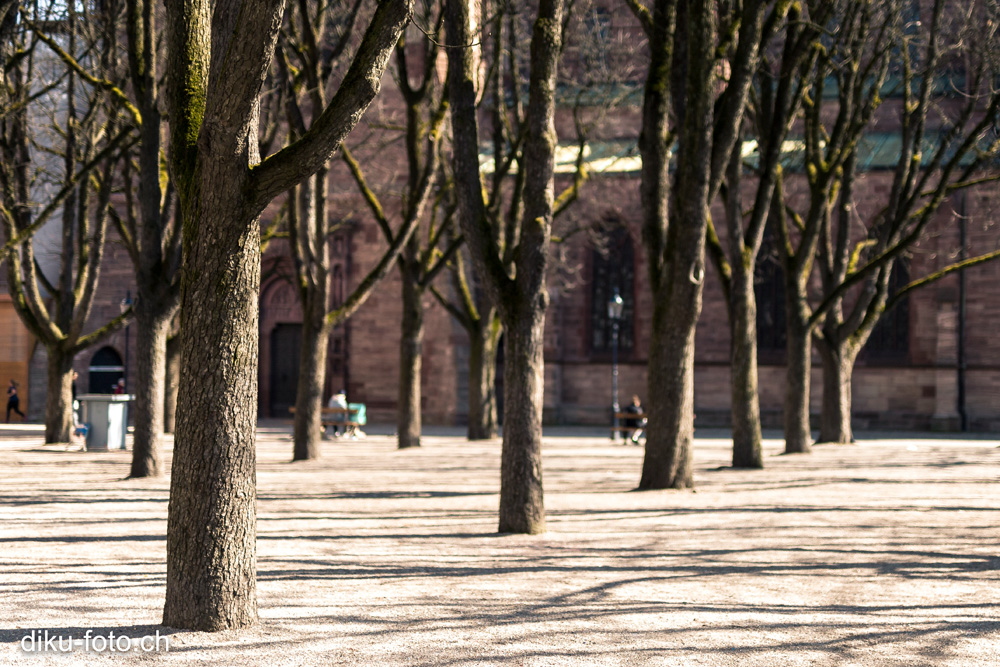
(691, 566)
(72, 500)
(372, 495)
(70, 539)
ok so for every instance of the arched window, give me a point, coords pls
(105, 370)
(613, 268)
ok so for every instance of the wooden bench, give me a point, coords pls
(621, 417)
(336, 417)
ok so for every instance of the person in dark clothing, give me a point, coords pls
(13, 402)
(637, 425)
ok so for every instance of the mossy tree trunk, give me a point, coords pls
(218, 56)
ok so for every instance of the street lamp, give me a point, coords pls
(125, 305)
(615, 307)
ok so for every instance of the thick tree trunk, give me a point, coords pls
(151, 361)
(171, 382)
(410, 360)
(522, 507)
(838, 369)
(212, 515)
(308, 430)
(482, 380)
(59, 396)
(670, 431)
(744, 390)
(798, 438)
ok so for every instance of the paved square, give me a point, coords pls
(883, 553)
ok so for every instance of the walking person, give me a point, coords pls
(13, 402)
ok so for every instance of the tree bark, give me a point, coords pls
(308, 429)
(152, 328)
(410, 353)
(670, 431)
(482, 378)
(211, 525)
(522, 507)
(171, 382)
(838, 369)
(744, 389)
(59, 397)
(798, 438)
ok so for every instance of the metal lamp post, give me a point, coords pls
(125, 305)
(615, 307)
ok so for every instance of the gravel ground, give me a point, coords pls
(880, 553)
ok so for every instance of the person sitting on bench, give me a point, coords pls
(339, 400)
(637, 425)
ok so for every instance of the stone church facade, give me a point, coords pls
(933, 364)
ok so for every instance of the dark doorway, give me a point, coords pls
(286, 340)
(105, 370)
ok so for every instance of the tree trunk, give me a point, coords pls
(171, 382)
(59, 396)
(211, 520)
(308, 429)
(151, 359)
(522, 507)
(410, 359)
(670, 431)
(744, 390)
(482, 379)
(798, 438)
(676, 251)
(838, 369)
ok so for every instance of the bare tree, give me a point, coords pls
(774, 103)
(318, 36)
(85, 133)
(686, 40)
(424, 256)
(946, 144)
(521, 295)
(152, 235)
(219, 54)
